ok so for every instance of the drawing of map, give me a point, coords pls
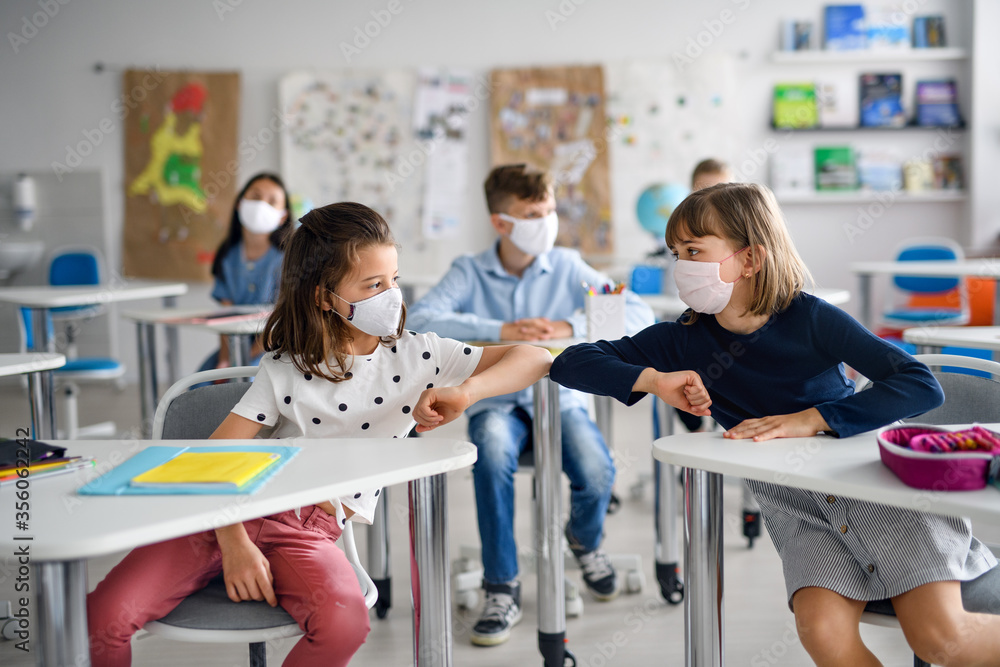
(349, 137)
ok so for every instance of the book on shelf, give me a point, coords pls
(794, 105)
(844, 28)
(879, 170)
(918, 175)
(887, 30)
(837, 101)
(928, 32)
(835, 168)
(791, 171)
(797, 35)
(881, 103)
(207, 470)
(948, 172)
(937, 103)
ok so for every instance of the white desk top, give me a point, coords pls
(667, 305)
(30, 362)
(68, 526)
(849, 467)
(49, 296)
(177, 317)
(980, 338)
(988, 267)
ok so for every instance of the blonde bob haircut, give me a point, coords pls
(747, 216)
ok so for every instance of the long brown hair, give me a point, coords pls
(321, 253)
(746, 215)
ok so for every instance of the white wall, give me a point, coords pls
(52, 97)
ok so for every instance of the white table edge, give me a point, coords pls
(30, 362)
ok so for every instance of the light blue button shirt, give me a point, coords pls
(249, 283)
(477, 296)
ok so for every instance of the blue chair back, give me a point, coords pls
(921, 284)
(74, 268)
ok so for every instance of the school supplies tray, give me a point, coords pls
(932, 457)
(118, 481)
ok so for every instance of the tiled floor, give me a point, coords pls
(636, 629)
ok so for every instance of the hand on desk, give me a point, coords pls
(796, 425)
(536, 328)
(682, 389)
(245, 569)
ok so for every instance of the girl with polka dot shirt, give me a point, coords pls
(339, 362)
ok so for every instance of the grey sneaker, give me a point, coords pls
(598, 572)
(501, 612)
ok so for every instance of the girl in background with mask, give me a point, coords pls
(766, 360)
(247, 264)
(339, 364)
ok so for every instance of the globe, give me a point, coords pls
(655, 205)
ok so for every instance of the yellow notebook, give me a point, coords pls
(207, 469)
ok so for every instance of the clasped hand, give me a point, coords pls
(536, 328)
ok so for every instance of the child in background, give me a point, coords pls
(524, 288)
(710, 172)
(339, 364)
(247, 265)
(743, 279)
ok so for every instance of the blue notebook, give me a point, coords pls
(116, 482)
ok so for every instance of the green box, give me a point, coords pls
(835, 168)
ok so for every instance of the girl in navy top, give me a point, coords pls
(766, 360)
(247, 265)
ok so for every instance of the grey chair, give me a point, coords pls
(208, 615)
(968, 399)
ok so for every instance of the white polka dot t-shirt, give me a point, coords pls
(376, 401)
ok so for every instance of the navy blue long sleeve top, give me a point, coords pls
(792, 363)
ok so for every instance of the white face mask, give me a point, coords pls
(378, 315)
(701, 287)
(259, 217)
(535, 236)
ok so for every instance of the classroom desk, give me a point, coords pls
(987, 267)
(240, 334)
(40, 298)
(930, 340)
(65, 529)
(32, 364)
(847, 467)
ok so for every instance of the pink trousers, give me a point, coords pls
(313, 581)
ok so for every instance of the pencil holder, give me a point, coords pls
(605, 316)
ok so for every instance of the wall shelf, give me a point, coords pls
(864, 56)
(867, 196)
(867, 128)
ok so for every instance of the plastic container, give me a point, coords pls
(953, 471)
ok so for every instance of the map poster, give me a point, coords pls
(181, 168)
(554, 119)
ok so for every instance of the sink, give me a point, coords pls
(16, 256)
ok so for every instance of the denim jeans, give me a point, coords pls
(501, 436)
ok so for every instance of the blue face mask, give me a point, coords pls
(378, 315)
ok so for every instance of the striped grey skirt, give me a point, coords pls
(864, 550)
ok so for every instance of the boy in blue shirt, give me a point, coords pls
(524, 288)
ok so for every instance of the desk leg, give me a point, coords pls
(666, 548)
(146, 343)
(430, 575)
(865, 293)
(173, 345)
(378, 555)
(43, 393)
(239, 349)
(703, 605)
(61, 597)
(548, 518)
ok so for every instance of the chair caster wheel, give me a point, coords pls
(751, 527)
(574, 607)
(381, 609)
(671, 584)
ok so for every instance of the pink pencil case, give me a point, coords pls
(909, 451)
